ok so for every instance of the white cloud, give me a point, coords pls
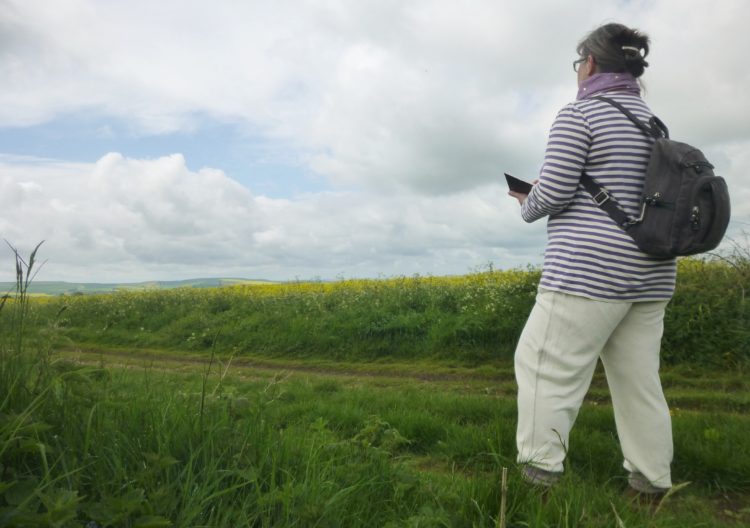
(430, 95)
(126, 219)
(410, 110)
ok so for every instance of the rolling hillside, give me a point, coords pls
(79, 288)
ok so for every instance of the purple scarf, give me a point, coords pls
(601, 82)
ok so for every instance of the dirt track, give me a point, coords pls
(129, 358)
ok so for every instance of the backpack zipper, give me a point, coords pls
(656, 201)
(697, 165)
(695, 218)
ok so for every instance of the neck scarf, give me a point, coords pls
(607, 82)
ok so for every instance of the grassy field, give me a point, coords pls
(362, 403)
(150, 438)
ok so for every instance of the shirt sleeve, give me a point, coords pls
(567, 149)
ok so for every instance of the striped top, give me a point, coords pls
(587, 253)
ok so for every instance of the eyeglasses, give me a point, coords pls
(577, 63)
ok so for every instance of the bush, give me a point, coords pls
(473, 318)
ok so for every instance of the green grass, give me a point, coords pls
(367, 403)
(348, 449)
(157, 440)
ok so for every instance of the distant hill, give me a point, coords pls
(78, 288)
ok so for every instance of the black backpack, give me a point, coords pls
(684, 206)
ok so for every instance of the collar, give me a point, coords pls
(601, 82)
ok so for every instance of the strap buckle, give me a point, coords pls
(601, 198)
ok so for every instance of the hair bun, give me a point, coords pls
(616, 48)
(634, 57)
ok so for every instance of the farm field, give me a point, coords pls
(363, 403)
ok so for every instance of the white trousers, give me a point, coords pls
(555, 361)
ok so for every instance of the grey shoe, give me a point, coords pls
(638, 482)
(540, 477)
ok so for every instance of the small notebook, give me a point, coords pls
(517, 185)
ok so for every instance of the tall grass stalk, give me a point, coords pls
(25, 274)
(14, 314)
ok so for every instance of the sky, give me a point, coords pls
(320, 139)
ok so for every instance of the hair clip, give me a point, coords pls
(631, 48)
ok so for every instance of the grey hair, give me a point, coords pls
(616, 48)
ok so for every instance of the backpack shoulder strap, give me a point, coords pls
(604, 201)
(655, 128)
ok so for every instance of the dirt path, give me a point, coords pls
(491, 380)
(129, 358)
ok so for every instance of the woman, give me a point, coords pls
(599, 295)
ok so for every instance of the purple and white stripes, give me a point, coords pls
(587, 253)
